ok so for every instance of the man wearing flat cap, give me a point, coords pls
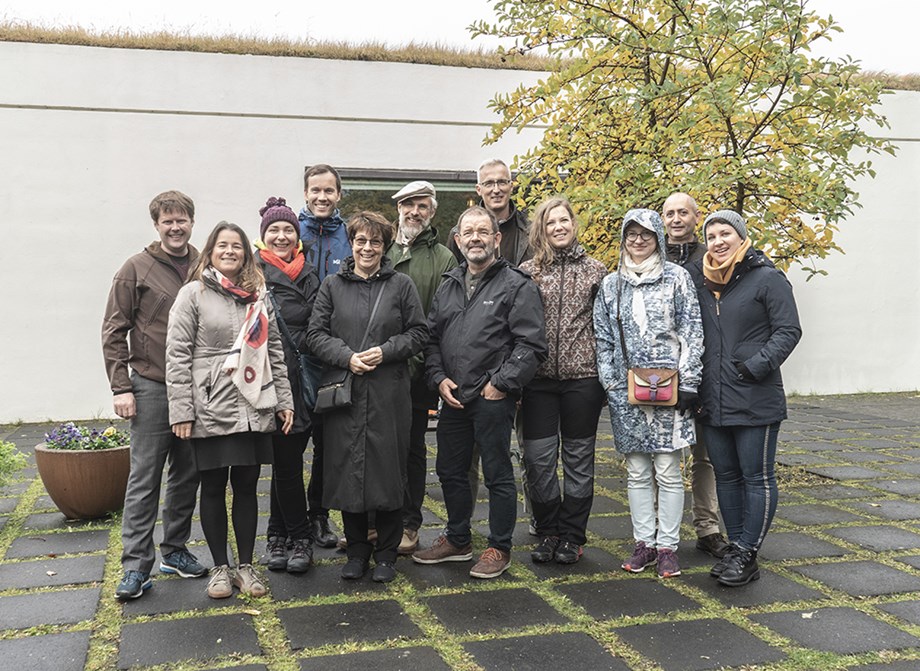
(416, 252)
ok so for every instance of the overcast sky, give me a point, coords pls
(881, 34)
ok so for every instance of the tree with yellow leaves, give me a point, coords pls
(718, 98)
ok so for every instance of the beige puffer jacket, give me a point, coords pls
(203, 326)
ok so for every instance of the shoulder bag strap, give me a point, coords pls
(373, 313)
(620, 322)
(282, 325)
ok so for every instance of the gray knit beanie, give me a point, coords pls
(729, 217)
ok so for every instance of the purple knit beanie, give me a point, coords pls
(276, 209)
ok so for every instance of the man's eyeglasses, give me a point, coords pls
(482, 233)
(492, 183)
(645, 235)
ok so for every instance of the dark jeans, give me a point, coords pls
(488, 424)
(743, 458)
(570, 408)
(315, 488)
(288, 517)
(416, 466)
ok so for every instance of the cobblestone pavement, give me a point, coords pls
(840, 586)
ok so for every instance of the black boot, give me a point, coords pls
(277, 553)
(322, 534)
(740, 569)
(720, 565)
(301, 556)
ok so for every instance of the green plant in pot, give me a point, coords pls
(85, 471)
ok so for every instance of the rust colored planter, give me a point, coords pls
(84, 483)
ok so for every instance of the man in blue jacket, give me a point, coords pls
(487, 339)
(325, 246)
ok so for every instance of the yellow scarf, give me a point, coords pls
(715, 277)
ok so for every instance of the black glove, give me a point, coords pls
(744, 372)
(688, 401)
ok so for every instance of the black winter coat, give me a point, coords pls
(295, 304)
(498, 335)
(366, 445)
(755, 322)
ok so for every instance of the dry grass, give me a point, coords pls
(429, 54)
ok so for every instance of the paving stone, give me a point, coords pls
(605, 504)
(876, 443)
(53, 520)
(909, 665)
(911, 468)
(780, 545)
(313, 626)
(906, 610)
(628, 596)
(398, 659)
(910, 452)
(611, 528)
(323, 580)
(846, 472)
(247, 667)
(36, 545)
(66, 571)
(497, 610)
(594, 560)
(697, 645)
(770, 588)
(813, 445)
(30, 610)
(879, 538)
(200, 638)
(8, 505)
(3, 521)
(445, 575)
(687, 553)
(804, 459)
(845, 631)
(907, 486)
(554, 651)
(854, 457)
(890, 510)
(44, 502)
(613, 483)
(831, 492)
(173, 594)
(910, 561)
(861, 578)
(810, 514)
(520, 537)
(52, 652)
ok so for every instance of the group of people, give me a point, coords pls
(510, 325)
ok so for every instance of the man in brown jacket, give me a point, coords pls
(134, 335)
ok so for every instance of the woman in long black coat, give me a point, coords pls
(367, 443)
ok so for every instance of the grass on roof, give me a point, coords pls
(422, 53)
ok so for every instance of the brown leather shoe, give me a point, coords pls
(443, 550)
(409, 543)
(492, 563)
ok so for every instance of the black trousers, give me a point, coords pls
(288, 510)
(389, 534)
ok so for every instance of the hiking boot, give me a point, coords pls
(385, 571)
(720, 565)
(713, 544)
(132, 585)
(545, 551)
(276, 549)
(740, 569)
(667, 564)
(301, 556)
(409, 542)
(322, 534)
(354, 568)
(248, 581)
(182, 563)
(220, 586)
(642, 556)
(342, 543)
(443, 550)
(568, 552)
(492, 563)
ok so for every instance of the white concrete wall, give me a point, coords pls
(88, 136)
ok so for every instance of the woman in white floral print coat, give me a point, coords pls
(661, 326)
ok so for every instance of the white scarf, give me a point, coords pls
(248, 363)
(650, 268)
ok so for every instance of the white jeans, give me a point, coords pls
(642, 497)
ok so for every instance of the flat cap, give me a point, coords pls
(414, 189)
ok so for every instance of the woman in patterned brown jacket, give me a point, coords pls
(565, 398)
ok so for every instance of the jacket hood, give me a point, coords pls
(650, 221)
(155, 249)
(328, 226)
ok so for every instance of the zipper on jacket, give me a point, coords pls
(559, 319)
